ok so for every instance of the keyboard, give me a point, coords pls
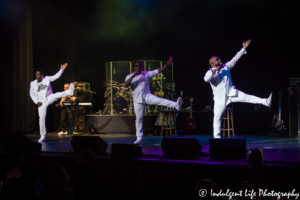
(80, 104)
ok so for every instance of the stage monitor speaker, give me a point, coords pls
(20, 144)
(126, 151)
(93, 143)
(227, 148)
(181, 147)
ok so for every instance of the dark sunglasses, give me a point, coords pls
(137, 65)
(217, 59)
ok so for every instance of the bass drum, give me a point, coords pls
(120, 104)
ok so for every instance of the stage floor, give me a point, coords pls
(280, 150)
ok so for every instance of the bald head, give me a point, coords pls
(66, 86)
(215, 62)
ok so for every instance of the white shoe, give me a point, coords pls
(62, 133)
(42, 139)
(269, 100)
(139, 141)
(71, 89)
(178, 104)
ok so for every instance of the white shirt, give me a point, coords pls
(140, 84)
(40, 91)
(221, 82)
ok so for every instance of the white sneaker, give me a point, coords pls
(71, 89)
(139, 141)
(178, 104)
(42, 139)
(269, 100)
(62, 133)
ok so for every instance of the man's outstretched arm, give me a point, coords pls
(239, 54)
(59, 73)
(155, 72)
(170, 61)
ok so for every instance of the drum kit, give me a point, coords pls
(121, 95)
(122, 91)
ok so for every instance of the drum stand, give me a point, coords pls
(61, 127)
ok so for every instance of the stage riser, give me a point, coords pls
(120, 123)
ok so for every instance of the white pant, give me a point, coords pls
(139, 109)
(219, 108)
(43, 109)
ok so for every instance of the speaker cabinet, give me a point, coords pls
(80, 123)
(20, 144)
(84, 96)
(293, 112)
(93, 143)
(86, 87)
(227, 148)
(126, 151)
(181, 147)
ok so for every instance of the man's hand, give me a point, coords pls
(135, 73)
(63, 66)
(62, 99)
(73, 99)
(39, 104)
(245, 44)
(216, 69)
(170, 61)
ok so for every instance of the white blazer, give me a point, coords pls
(40, 91)
(140, 84)
(221, 82)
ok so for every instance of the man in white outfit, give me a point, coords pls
(139, 85)
(223, 90)
(41, 94)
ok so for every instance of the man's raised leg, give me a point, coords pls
(154, 100)
(139, 110)
(58, 95)
(246, 98)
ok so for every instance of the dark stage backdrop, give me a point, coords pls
(87, 34)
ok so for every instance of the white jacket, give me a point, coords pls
(40, 91)
(221, 82)
(140, 84)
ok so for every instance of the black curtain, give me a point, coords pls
(17, 62)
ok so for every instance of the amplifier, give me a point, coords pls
(293, 112)
(84, 96)
(294, 108)
(81, 86)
